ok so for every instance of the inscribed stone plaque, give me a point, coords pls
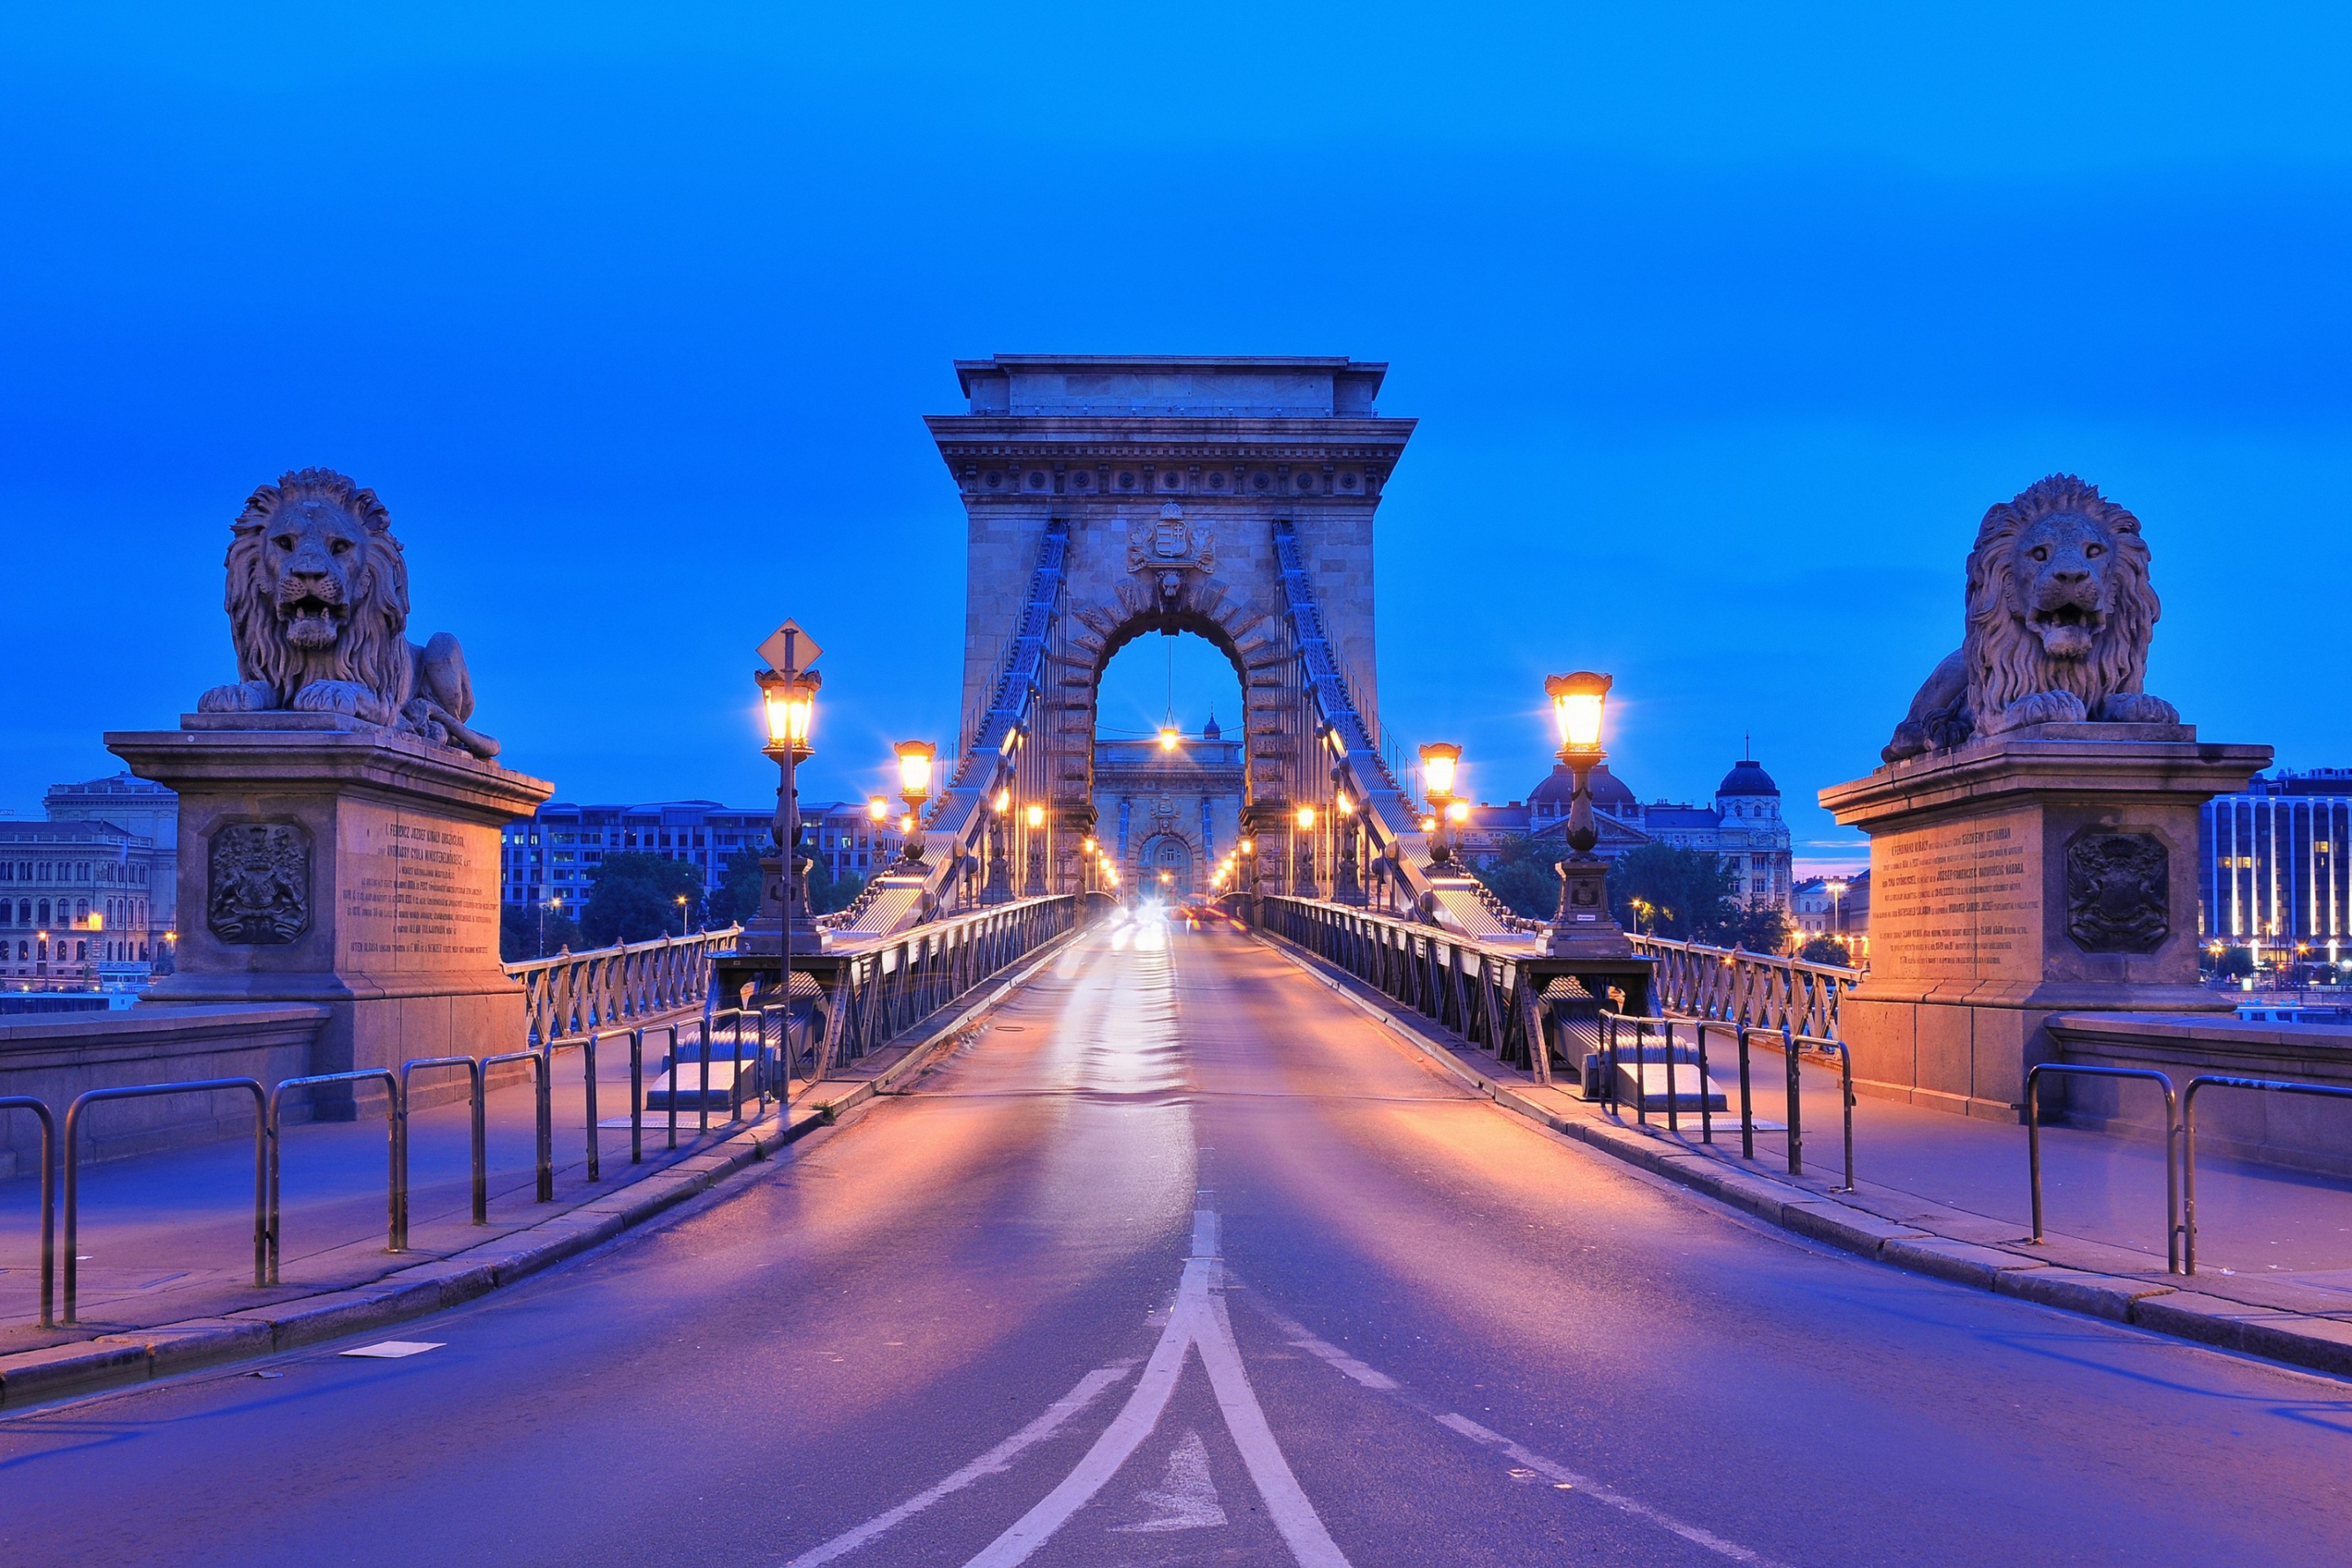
(1956, 901)
(2118, 891)
(418, 893)
(257, 883)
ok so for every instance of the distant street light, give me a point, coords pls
(1033, 815)
(998, 888)
(1440, 761)
(1303, 874)
(681, 914)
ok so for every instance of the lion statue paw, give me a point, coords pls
(245, 697)
(2044, 707)
(2135, 708)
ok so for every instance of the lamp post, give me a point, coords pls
(1438, 762)
(1248, 851)
(998, 888)
(1303, 882)
(680, 902)
(789, 701)
(915, 760)
(1346, 888)
(1584, 924)
(1087, 864)
(1033, 816)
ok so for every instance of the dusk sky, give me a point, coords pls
(1723, 327)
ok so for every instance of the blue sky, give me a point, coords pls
(1723, 325)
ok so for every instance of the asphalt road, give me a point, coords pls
(1185, 1262)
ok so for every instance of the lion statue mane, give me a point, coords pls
(317, 609)
(2059, 616)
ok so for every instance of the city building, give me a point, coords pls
(1834, 906)
(76, 906)
(2271, 873)
(145, 810)
(1171, 812)
(1744, 826)
(552, 857)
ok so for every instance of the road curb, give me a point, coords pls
(127, 1357)
(2303, 1340)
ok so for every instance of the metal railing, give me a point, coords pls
(1793, 1048)
(2172, 1147)
(1764, 991)
(2189, 1140)
(395, 1181)
(48, 1199)
(477, 1102)
(544, 1112)
(880, 992)
(572, 993)
(1494, 1000)
(81, 1108)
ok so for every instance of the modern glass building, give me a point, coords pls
(2271, 870)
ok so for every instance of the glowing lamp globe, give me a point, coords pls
(1577, 703)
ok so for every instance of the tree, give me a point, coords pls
(519, 929)
(736, 900)
(634, 898)
(1525, 875)
(1667, 892)
(1826, 949)
(1758, 927)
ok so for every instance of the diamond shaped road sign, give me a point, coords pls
(790, 649)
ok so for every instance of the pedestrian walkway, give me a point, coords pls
(168, 1236)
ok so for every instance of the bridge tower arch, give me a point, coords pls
(1106, 498)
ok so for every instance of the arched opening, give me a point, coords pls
(1169, 766)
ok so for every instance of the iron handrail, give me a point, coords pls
(2189, 1139)
(88, 1097)
(395, 1182)
(544, 1105)
(2172, 1188)
(40, 1108)
(481, 1143)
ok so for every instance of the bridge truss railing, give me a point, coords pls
(1525, 1008)
(574, 994)
(879, 992)
(1757, 989)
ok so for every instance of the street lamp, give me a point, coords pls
(915, 758)
(1345, 887)
(1582, 924)
(1033, 815)
(1439, 762)
(680, 902)
(788, 700)
(1303, 881)
(999, 886)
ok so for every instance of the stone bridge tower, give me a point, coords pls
(1170, 479)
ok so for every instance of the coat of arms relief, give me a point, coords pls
(1170, 547)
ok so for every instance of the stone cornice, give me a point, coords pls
(1133, 458)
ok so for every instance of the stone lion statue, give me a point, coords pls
(2059, 616)
(318, 608)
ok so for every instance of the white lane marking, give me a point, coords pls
(1461, 1426)
(1185, 1497)
(1196, 1320)
(1302, 1529)
(995, 1461)
(1127, 1430)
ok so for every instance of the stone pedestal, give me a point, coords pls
(2051, 868)
(325, 860)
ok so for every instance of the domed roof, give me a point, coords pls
(1608, 790)
(1209, 732)
(1746, 777)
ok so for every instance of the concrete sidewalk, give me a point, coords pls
(179, 1294)
(169, 1235)
(1949, 1196)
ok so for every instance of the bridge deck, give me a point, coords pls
(1343, 1311)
